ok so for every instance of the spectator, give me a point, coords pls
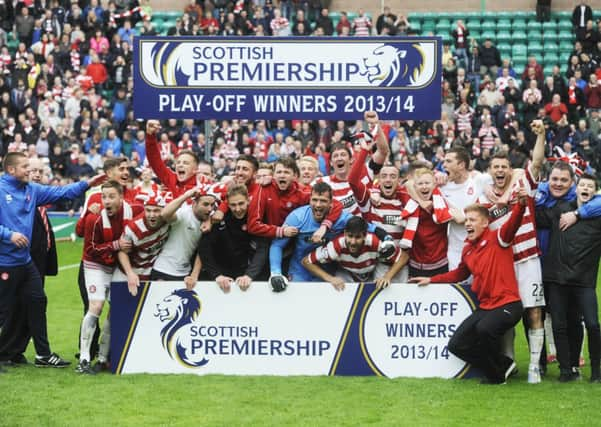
(279, 25)
(460, 34)
(581, 15)
(111, 143)
(361, 24)
(344, 25)
(556, 109)
(490, 58)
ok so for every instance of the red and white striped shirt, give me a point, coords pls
(525, 244)
(362, 24)
(146, 244)
(361, 266)
(342, 191)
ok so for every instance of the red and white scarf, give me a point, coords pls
(107, 231)
(127, 14)
(440, 215)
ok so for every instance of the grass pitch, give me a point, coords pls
(51, 397)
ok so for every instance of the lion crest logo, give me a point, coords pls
(389, 65)
(177, 310)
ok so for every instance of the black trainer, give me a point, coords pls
(566, 377)
(52, 361)
(19, 359)
(84, 367)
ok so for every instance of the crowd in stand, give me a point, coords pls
(396, 197)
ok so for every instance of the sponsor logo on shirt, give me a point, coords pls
(391, 219)
(348, 201)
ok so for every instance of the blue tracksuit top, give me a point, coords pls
(18, 201)
(302, 218)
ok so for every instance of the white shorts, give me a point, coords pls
(530, 283)
(98, 283)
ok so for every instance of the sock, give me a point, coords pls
(105, 341)
(536, 337)
(507, 343)
(88, 327)
(549, 335)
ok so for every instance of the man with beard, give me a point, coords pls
(525, 248)
(272, 203)
(357, 255)
(306, 220)
(175, 260)
(246, 254)
(571, 272)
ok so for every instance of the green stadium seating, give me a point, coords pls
(518, 36)
(476, 35)
(488, 25)
(519, 49)
(443, 26)
(533, 25)
(565, 47)
(538, 56)
(519, 63)
(488, 34)
(535, 35)
(550, 47)
(534, 47)
(565, 36)
(446, 38)
(429, 24)
(550, 59)
(548, 69)
(563, 67)
(473, 25)
(416, 26)
(550, 36)
(565, 25)
(508, 15)
(503, 25)
(550, 26)
(504, 37)
(561, 14)
(518, 24)
(503, 46)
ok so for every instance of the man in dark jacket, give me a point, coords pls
(490, 59)
(229, 254)
(570, 269)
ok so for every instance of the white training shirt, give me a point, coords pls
(179, 249)
(460, 196)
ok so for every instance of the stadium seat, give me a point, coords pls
(563, 67)
(352, 15)
(518, 36)
(504, 48)
(428, 24)
(550, 26)
(488, 34)
(519, 49)
(475, 35)
(443, 26)
(505, 15)
(503, 37)
(473, 25)
(550, 36)
(562, 14)
(534, 47)
(538, 56)
(565, 47)
(548, 69)
(565, 36)
(565, 25)
(416, 26)
(519, 63)
(534, 25)
(550, 47)
(550, 58)
(518, 24)
(534, 35)
(503, 25)
(488, 25)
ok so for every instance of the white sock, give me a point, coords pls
(507, 344)
(88, 327)
(549, 335)
(536, 337)
(105, 341)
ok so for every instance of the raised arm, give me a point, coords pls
(538, 153)
(510, 227)
(383, 150)
(166, 175)
(169, 211)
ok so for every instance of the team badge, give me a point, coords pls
(244, 227)
(4, 276)
(470, 191)
(483, 243)
(289, 204)
(92, 289)
(9, 198)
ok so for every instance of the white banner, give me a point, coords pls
(310, 329)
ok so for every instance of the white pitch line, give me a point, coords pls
(68, 267)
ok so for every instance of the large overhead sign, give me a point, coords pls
(287, 78)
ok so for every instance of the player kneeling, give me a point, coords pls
(357, 253)
(102, 241)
